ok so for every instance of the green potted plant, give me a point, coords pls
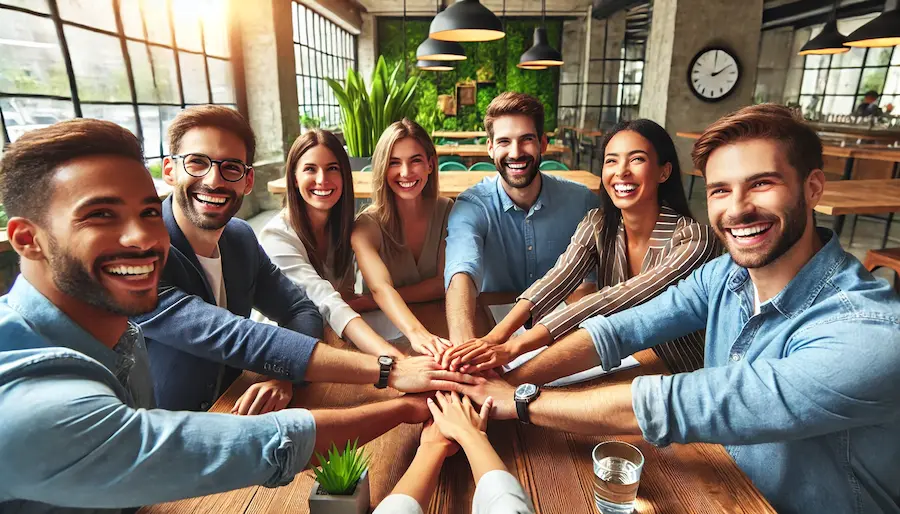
(342, 482)
(308, 122)
(366, 112)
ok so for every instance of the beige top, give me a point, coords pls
(402, 265)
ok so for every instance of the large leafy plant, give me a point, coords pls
(367, 112)
(342, 470)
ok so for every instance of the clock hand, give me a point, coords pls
(720, 71)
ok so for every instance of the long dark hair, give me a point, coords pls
(340, 219)
(671, 192)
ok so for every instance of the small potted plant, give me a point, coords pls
(342, 482)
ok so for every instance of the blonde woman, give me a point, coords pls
(399, 239)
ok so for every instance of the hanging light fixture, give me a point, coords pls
(829, 41)
(434, 65)
(435, 50)
(541, 53)
(884, 30)
(466, 21)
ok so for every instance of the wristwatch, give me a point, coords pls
(525, 394)
(387, 364)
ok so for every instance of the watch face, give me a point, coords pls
(713, 74)
(385, 360)
(526, 391)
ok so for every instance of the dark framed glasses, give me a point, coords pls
(198, 165)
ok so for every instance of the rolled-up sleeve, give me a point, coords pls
(398, 504)
(498, 492)
(69, 441)
(466, 231)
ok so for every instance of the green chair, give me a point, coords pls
(551, 165)
(451, 166)
(483, 166)
(367, 167)
(450, 158)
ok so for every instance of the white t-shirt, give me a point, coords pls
(212, 266)
(498, 492)
(756, 305)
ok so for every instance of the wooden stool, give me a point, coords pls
(887, 258)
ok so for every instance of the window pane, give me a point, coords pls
(119, 114)
(187, 25)
(294, 21)
(631, 95)
(99, 66)
(215, 30)
(130, 12)
(34, 5)
(93, 13)
(163, 60)
(193, 78)
(852, 58)
(872, 80)
(156, 17)
(817, 61)
(878, 56)
(892, 85)
(297, 59)
(32, 61)
(303, 27)
(220, 81)
(24, 114)
(156, 82)
(837, 105)
(155, 121)
(634, 71)
(843, 81)
(896, 58)
(814, 82)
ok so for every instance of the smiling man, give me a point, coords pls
(507, 231)
(802, 376)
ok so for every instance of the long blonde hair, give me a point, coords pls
(384, 205)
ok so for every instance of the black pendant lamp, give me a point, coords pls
(435, 50)
(466, 21)
(829, 41)
(434, 65)
(541, 53)
(882, 31)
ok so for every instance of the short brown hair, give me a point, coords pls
(765, 121)
(509, 103)
(29, 164)
(215, 116)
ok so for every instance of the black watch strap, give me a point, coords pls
(522, 410)
(384, 372)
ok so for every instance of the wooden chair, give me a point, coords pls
(887, 258)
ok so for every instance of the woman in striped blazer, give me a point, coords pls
(642, 240)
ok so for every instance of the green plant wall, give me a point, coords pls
(493, 63)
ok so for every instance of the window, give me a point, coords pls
(322, 50)
(138, 66)
(836, 84)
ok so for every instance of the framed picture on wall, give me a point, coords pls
(466, 92)
(447, 104)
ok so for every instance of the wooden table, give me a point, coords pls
(554, 467)
(459, 134)
(452, 182)
(859, 197)
(482, 151)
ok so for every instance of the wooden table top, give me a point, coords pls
(843, 197)
(882, 153)
(452, 182)
(459, 134)
(554, 467)
(481, 150)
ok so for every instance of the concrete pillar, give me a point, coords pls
(572, 72)
(774, 62)
(367, 44)
(679, 30)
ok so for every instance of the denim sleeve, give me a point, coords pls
(466, 231)
(816, 389)
(283, 301)
(677, 311)
(189, 324)
(70, 441)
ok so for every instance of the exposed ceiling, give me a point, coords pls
(802, 13)
(513, 7)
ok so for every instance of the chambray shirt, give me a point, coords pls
(805, 395)
(504, 248)
(78, 432)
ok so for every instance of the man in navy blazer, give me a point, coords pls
(199, 338)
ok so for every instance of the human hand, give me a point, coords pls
(502, 393)
(416, 410)
(429, 344)
(432, 437)
(419, 374)
(479, 355)
(263, 397)
(457, 418)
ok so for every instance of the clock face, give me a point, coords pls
(713, 74)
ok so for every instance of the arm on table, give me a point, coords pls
(464, 266)
(461, 297)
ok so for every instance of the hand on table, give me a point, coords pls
(476, 355)
(263, 397)
(430, 344)
(432, 436)
(500, 391)
(419, 374)
(456, 418)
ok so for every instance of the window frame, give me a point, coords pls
(857, 95)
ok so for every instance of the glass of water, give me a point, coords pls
(617, 474)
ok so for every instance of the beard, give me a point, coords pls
(184, 195)
(522, 181)
(72, 277)
(794, 226)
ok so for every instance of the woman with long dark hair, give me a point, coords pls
(642, 240)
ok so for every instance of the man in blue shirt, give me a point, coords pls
(78, 431)
(802, 374)
(507, 231)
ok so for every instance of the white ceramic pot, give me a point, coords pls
(356, 503)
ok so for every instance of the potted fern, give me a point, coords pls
(342, 482)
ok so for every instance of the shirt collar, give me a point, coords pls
(803, 289)
(55, 326)
(543, 199)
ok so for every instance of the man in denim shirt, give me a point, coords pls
(78, 431)
(507, 231)
(802, 376)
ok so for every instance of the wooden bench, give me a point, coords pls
(886, 258)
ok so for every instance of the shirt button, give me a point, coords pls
(735, 357)
(530, 247)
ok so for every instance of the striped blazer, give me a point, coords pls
(678, 246)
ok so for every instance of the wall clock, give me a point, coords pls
(713, 74)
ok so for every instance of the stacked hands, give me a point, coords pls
(467, 369)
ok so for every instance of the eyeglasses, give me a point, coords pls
(198, 165)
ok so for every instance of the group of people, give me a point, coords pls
(132, 315)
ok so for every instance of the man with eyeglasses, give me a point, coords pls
(199, 338)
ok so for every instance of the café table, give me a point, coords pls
(481, 151)
(554, 467)
(452, 183)
(459, 134)
(859, 197)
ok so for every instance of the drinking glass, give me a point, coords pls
(617, 474)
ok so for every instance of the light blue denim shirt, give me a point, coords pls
(78, 433)
(805, 396)
(502, 247)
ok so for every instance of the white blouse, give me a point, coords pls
(286, 250)
(498, 492)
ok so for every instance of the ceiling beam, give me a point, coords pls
(804, 13)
